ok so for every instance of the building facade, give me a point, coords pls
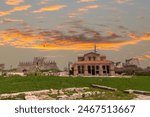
(2, 66)
(93, 64)
(38, 64)
(130, 67)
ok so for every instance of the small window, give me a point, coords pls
(97, 67)
(103, 66)
(89, 58)
(94, 58)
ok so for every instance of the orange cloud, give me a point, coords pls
(10, 20)
(76, 44)
(45, 1)
(21, 8)
(89, 7)
(56, 40)
(50, 8)
(147, 56)
(83, 10)
(15, 9)
(122, 1)
(144, 57)
(14, 2)
(19, 39)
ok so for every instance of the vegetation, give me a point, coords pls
(31, 83)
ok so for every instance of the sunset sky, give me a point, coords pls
(64, 29)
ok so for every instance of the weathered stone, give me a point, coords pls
(142, 97)
(60, 92)
(37, 93)
(70, 89)
(53, 91)
(87, 94)
(128, 91)
(12, 95)
(137, 92)
(76, 95)
(32, 97)
(104, 87)
(63, 97)
(45, 97)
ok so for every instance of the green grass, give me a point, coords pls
(30, 83)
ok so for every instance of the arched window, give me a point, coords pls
(89, 58)
(94, 58)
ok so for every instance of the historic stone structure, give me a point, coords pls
(2, 66)
(38, 63)
(130, 67)
(93, 64)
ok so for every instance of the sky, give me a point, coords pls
(61, 30)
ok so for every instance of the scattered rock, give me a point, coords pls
(60, 92)
(128, 91)
(142, 97)
(62, 97)
(69, 89)
(32, 97)
(53, 91)
(74, 93)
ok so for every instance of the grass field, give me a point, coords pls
(31, 83)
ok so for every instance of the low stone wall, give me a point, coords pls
(78, 95)
(137, 92)
(45, 94)
(104, 87)
(24, 95)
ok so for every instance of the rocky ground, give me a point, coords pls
(84, 93)
(142, 97)
(52, 94)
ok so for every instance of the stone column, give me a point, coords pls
(86, 70)
(95, 69)
(91, 69)
(75, 70)
(100, 70)
(112, 71)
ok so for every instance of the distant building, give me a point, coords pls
(148, 69)
(130, 67)
(93, 64)
(132, 61)
(2, 66)
(38, 64)
(119, 64)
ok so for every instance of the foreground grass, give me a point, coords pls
(20, 84)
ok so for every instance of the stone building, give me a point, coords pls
(2, 66)
(130, 67)
(93, 64)
(132, 61)
(38, 64)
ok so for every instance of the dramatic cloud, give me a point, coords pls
(50, 8)
(14, 2)
(10, 20)
(45, 1)
(15, 9)
(122, 1)
(147, 56)
(59, 40)
(89, 7)
(144, 57)
(18, 38)
(83, 10)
